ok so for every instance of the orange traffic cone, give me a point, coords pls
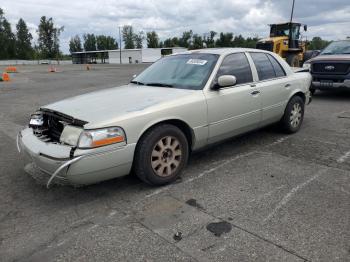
(5, 77)
(11, 69)
(52, 69)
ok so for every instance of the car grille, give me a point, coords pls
(330, 68)
(53, 126)
(268, 46)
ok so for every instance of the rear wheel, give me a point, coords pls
(293, 115)
(161, 155)
(293, 60)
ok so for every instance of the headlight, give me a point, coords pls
(70, 135)
(307, 65)
(101, 137)
(36, 120)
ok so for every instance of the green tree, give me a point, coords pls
(171, 42)
(224, 40)
(106, 42)
(128, 37)
(251, 42)
(49, 43)
(24, 48)
(75, 44)
(239, 41)
(152, 39)
(7, 39)
(197, 42)
(186, 39)
(317, 43)
(168, 43)
(89, 42)
(209, 40)
(138, 38)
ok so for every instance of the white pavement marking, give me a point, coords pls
(266, 194)
(220, 164)
(10, 129)
(343, 158)
(291, 193)
(278, 141)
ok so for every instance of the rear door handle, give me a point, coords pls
(255, 92)
(287, 85)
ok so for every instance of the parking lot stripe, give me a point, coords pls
(217, 165)
(343, 158)
(292, 192)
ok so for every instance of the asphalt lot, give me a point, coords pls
(264, 196)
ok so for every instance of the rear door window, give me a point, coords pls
(279, 71)
(263, 66)
(237, 65)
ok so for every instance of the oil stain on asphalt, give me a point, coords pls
(218, 228)
(194, 203)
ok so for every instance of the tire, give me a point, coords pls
(293, 60)
(293, 115)
(312, 90)
(161, 155)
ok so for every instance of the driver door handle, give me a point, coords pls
(255, 92)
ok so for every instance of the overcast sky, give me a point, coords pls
(329, 19)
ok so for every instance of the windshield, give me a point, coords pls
(283, 30)
(335, 48)
(186, 71)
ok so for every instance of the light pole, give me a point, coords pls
(290, 42)
(291, 15)
(120, 46)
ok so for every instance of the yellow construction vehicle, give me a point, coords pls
(286, 41)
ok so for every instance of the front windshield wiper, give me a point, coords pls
(159, 84)
(137, 83)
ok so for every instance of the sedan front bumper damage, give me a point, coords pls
(54, 163)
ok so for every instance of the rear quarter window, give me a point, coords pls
(279, 71)
(263, 66)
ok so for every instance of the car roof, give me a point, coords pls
(222, 51)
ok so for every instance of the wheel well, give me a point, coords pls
(184, 127)
(301, 94)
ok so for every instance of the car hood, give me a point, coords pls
(344, 57)
(109, 104)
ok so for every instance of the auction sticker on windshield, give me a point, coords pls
(196, 62)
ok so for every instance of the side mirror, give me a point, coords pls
(225, 81)
(305, 28)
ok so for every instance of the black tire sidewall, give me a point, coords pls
(291, 59)
(286, 124)
(143, 167)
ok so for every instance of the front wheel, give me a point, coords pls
(293, 60)
(293, 115)
(161, 155)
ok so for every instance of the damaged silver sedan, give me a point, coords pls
(179, 104)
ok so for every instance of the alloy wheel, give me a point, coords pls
(295, 115)
(166, 156)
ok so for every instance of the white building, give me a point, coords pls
(127, 56)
